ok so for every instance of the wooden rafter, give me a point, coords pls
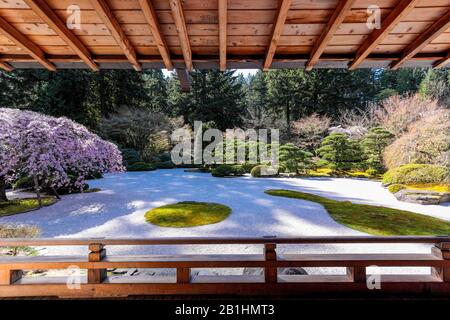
(402, 9)
(185, 82)
(6, 66)
(26, 44)
(152, 20)
(330, 29)
(180, 23)
(43, 10)
(223, 25)
(277, 31)
(423, 40)
(104, 12)
(443, 62)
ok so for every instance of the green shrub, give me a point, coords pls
(372, 172)
(263, 171)
(23, 183)
(164, 157)
(293, 159)
(341, 152)
(141, 166)
(226, 170)
(130, 156)
(165, 165)
(248, 167)
(321, 164)
(394, 188)
(416, 174)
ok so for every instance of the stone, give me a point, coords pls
(424, 197)
(294, 271)
(253, 271)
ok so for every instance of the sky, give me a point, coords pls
(244, 72)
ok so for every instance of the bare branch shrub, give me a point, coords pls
(366, 119)
(308, 132)
(399, 113)
(426, 140)
(141, 129)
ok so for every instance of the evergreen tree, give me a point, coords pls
(257, 98)
(293, 159)
(436, 84)
(215, 97)
(340, 152)
(374, 144)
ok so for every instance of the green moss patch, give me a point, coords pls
(23, 205)
(374, 220)
(188, 214)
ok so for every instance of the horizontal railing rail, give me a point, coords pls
(217, 240)
(98, 281)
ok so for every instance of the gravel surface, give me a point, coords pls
(118, 211)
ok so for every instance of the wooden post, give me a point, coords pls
(96, 254)
(357, 274)
(183, 275)
(8, 277)
(442, 250)
(270, 273)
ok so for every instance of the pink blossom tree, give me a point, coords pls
(55, 152)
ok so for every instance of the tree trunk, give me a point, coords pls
(288, 120)
(55, 193)
(37, 188)
(3, 197)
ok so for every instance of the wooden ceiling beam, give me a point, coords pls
(6, 66)
(180, 23)
(276, 33)
(223, 25)
(105, 13)
(423, 40)
(403, 8)
(152, 20)
(26, 44)
(332, 26)
(185, 82)
(45, 12)
(443, 62)
(111, 59)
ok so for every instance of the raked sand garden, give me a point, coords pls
(118, 211)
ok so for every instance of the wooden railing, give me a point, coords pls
(99, 283)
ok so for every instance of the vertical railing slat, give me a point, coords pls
(96, 254)
(442, 250)
(270, 254)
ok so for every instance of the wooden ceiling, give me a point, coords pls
(187, 34)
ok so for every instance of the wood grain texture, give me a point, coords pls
(41, 9)
(25, 43)
(104, 11)
(330, 29)
(180, 23)
(6, 66)
(152, 20)
(223, 28)
(431, 34)
(277, 31)
(404, 8)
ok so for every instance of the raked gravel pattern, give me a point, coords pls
(118, 212)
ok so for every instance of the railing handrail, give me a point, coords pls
(17, 242)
